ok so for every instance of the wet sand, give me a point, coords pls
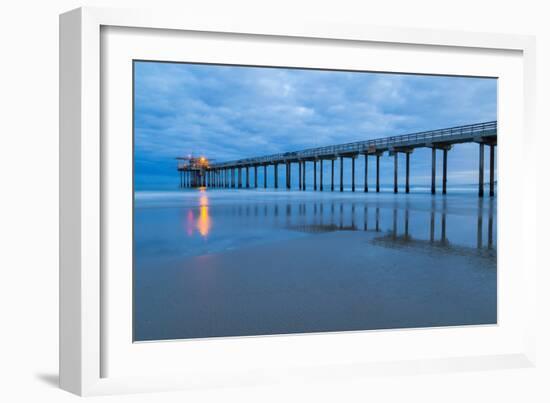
(328, 280)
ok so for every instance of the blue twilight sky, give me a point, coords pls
(228, 112)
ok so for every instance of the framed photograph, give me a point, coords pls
(245, 202)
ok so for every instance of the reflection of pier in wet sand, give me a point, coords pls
(393, 223)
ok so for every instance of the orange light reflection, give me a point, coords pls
(204, 223)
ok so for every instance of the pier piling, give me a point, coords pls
(332, 175)
(444, 180)
(321, 175)
(341, 174)
(433, 170)
(304, 176)
(492, 170)
(289, 176)
(481, 169)
(366, 172)
(314, 174)
(395, 172)
(353, 173)
(377, 173)
(407, 170)
(300, 175)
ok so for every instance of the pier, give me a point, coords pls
(200, 172)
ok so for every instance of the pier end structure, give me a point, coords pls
(193, 174)
(194, 171)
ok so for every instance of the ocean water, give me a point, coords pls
(227, 262)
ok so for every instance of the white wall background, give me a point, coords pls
(29, 197)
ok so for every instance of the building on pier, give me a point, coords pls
(193, 171)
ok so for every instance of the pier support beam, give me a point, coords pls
(353, 173)
(240, 177)
(255, 176)
(332, 175)
(444, 183)
(321, 175)
(366, 173)
(276, 173)
(247, 178)
(407, 171)
(300, 175)
(395, 169)
(433, 169)
(288, 175)
(304, 176)
(377, 173)
(492, 170)
(314, 174)
(181, 179)
(341, 174)
(265, 176)
(481, 169)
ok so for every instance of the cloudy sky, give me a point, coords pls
(226, 112)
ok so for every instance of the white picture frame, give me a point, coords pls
(86, 345)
